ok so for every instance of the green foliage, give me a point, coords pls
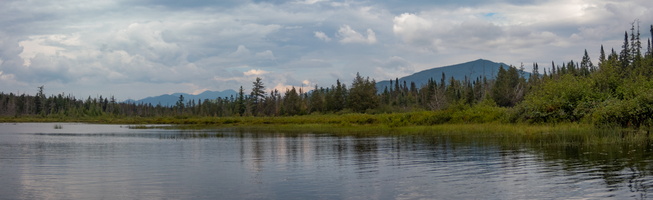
(257, 95)
(618, 94)
(484, 112)
(508, 88)
(635, 109)
(291, 103)
(568, 99)
(608, 77)
(362, 95)
(240, 103)
(336, 98)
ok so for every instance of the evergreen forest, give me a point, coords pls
(617, 91)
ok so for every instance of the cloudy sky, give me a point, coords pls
(139, 48)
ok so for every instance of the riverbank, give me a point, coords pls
(384, 124)
(420, 118)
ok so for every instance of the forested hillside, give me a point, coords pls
(616, 91)
(472, 69)
(171, 99)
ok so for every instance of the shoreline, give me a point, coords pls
(379, 125)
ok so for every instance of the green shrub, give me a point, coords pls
(483, 112)
(568, 99)
(630, 113)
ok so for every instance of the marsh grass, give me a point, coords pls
(393, 124)
(495, 133)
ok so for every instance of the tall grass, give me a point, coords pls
(487, 124)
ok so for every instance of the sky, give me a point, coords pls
(132, 49)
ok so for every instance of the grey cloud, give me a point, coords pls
(187, 4)
(415, 6)
(478, 29)
(184, 45)
(9, 51)
(396, 63)
(392, 67)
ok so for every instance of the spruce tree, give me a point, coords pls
(362, 94)
(38, 101)
(586, 65)
(553, 69)
(535, 76)
(257, 95)
(624, 56)
(648, 51)
(291, 102)
(179, 105)
(635, 45)
(601, 57)
(508, 88)
(316, 100)
(240, 102)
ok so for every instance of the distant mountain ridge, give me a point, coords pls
(171, 99)
(472, 70)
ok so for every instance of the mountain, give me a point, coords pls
(472, 69)
(171, 99)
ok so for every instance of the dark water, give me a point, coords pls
(81, 161)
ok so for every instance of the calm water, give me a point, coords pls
(82, 161)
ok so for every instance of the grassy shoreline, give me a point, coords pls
(393, 121)
(384, 125)
(418, 118)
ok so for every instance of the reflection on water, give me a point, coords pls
(82, 161)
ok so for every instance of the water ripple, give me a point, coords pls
(93, 162)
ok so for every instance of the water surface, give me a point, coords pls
(88, 161)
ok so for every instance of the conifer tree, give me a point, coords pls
(601, 56)
(317, 100)
(38, 101)
(501, 89)
(586, 64)
(624, 56)
(291, 103)
(336, 98)
(179, 105)
(553, 70)
(240, 102)
(648, 50)
(535, 76)
(635, 45)
(362, 94)
(257, 95)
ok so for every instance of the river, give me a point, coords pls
(90, 161)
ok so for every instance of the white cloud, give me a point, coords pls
(310, 2)
(145, 39)
(42, 44)
(255, 72)
(415, 30)
(349, 35)
(8, 78)
(322, 36)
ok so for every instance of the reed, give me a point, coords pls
(494, 133)
(393, 124)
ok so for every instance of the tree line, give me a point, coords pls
(618, 91)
